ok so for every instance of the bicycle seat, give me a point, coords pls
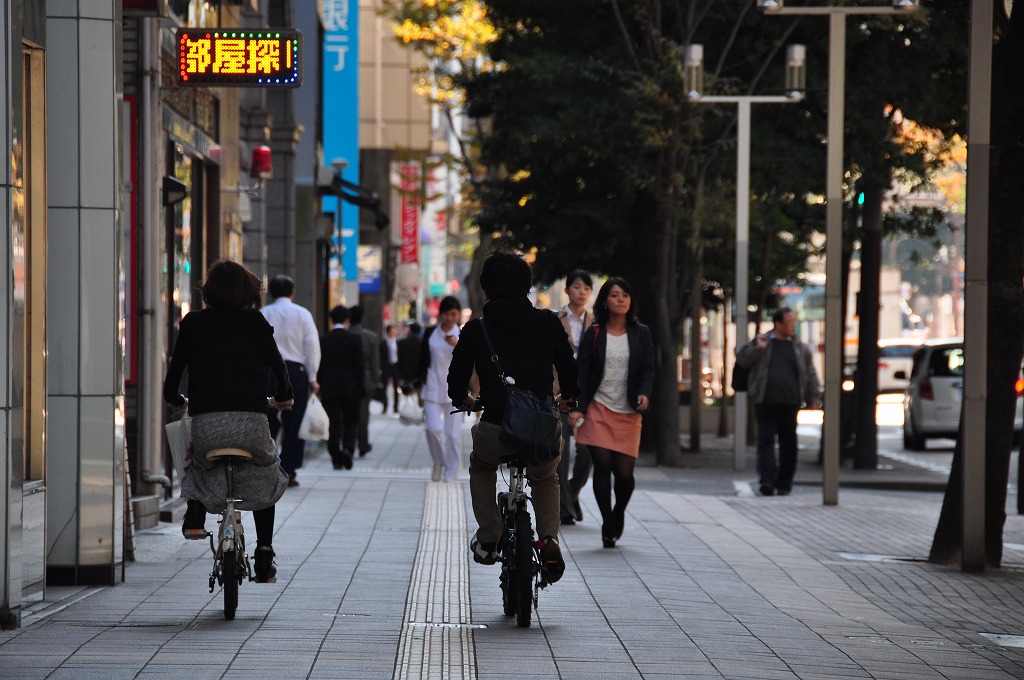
(213, 454)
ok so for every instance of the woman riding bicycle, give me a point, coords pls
(230, 353)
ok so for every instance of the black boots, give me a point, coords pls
(193, 527)
(263, 565)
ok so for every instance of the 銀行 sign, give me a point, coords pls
(265, 58)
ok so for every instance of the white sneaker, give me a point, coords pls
(435, 476)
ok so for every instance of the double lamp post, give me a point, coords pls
(834, 323)
(794, 92)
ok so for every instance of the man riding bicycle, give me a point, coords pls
(529, 341)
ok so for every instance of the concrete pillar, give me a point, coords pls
(85, 386)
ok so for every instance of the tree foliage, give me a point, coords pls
(452, 37)
(596, 159)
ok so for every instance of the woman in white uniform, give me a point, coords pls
(444, 429)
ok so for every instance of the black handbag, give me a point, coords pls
(531, 426)
(740, 377)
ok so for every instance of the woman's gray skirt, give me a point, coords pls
(259, 482)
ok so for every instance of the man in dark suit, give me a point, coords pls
(409, 356)
(341, 379)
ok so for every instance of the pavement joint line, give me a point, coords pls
(44, 609)
(436, 638)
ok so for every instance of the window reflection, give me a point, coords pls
(181, 247)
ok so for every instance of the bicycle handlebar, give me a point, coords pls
(460, 406)
(270, 403)
(478, 405)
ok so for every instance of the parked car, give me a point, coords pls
(934, 395)
(895, 359)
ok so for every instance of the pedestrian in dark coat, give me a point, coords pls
(409, 355)
(341, 378)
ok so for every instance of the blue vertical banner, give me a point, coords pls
(341, 117)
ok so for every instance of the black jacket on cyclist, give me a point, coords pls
(230, 356)
(527, 340)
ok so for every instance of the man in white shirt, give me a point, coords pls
(575, 320)
(389, 365)
(299, 343)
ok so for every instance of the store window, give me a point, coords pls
(185, 237)
(28, 254)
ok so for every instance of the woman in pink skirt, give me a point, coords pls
(616, 362)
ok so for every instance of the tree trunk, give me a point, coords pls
(696, 359)
(1006, 303)
(653, 232)
(723, 413)
(866, 456)
(472, 281)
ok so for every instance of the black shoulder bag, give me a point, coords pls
(531, 426)
(740, 378)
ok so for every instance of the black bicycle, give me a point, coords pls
(521, 574)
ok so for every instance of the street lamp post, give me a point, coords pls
(694, 77)
(834, 323)
(339, 165)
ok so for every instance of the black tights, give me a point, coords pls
(264, 520)
(607, 463)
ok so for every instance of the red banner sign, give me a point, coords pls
(410, 178)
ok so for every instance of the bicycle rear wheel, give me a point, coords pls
(523, 572)
(229, 573)
(508, 559)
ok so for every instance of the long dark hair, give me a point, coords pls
(601, 314)
(231, 287)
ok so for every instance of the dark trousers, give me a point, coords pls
(341, 436)
(570, 488)
(389, 373)
(581, 467)
(363, 423)
(776, 420)
(289, 421)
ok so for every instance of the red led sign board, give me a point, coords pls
(241, 58)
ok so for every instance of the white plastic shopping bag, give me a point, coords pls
(315, 423)
(179, 435)
(409, 410)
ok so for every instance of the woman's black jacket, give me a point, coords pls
(641, 363)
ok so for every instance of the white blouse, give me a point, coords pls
(612, 390)
(436, 387)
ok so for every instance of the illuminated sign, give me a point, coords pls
(267, 58)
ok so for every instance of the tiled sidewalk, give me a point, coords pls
(375, 582)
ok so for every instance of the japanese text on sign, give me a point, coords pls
(234, 57)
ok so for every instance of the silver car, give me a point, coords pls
(895, 358)
(932, 402)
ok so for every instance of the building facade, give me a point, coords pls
(62, 402)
